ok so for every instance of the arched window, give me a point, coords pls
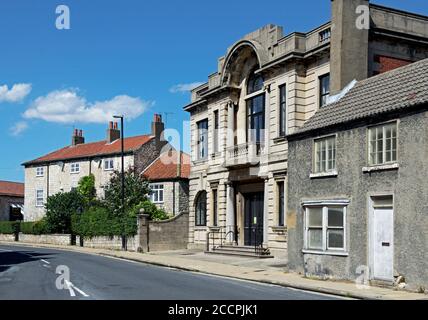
(201, 209)
(255, 83)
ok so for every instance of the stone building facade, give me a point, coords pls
(61, 170)
(169, 180)
(362, 214)
(266, 87)
(11, 201)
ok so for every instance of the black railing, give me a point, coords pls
(224, 235)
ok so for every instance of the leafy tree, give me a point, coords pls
(60, 208)
(86, 188)
(136, 191)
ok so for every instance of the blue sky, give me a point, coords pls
(119, 54)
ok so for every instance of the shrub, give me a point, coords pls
(36, 228)
(98, 221)
(152, 210)
(7, 227)
(60, 208)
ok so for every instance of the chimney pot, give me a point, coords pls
(110, 125)
(77, 137)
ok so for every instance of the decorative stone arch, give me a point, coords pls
(242, 58)
(200, 203)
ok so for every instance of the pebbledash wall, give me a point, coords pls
(407, 185)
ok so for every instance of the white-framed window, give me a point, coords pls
(325, 155)
(75, 167)
(325, 228)
(40, 171)
(108, 164)
(202, 142)
(157, 192)
(383, 144)
(39, 198)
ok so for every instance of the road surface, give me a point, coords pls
(41, 274)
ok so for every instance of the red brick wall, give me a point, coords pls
(388, 63)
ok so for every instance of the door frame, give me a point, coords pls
(249, 194)
(370, 246)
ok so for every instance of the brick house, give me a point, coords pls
(266, 87)
(61, 170)
(358, 183)
(11, 201)
(169, 181)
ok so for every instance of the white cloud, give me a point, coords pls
(66, 106)
(17, 93)
(185, 87)
(18, 128)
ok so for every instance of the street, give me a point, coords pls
(41, 274)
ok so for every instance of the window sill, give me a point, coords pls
(323, 175)
(385, 167)
(280, 139)
(216, 155)
(200, 161)
(327, 253)
(214, 229)
(74, 172)
(279, 229)
(200, 228)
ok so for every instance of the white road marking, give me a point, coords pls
(44, 261)
(69, 286)
(3, 250)
(80, 291)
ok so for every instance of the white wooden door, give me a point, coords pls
(383, 246)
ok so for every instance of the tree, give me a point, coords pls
(86, 188)
(136, 191)
(60, 208)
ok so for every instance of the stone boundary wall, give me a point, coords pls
(108, 243)
(7, 237)
(152, 236)
(165, 235)
(56, 239)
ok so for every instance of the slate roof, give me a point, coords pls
(14, 189)
(391, 91)
(94, 149)
(165, 167)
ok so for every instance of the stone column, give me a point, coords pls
(266, 214)
(142, 241)
(230, 212)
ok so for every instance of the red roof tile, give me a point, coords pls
(93, 149)
(165, 167)
(14, 189)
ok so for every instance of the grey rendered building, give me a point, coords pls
(358, 183)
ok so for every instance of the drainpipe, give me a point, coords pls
(47, 181)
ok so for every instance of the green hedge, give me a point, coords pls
(37, 228)
(7, 227)
(98, 222)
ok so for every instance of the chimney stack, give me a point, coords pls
(158, 127)
(113, 133)
(77, 137)
(349, 45)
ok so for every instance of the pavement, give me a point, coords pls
(29, 273)
(269, 271)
